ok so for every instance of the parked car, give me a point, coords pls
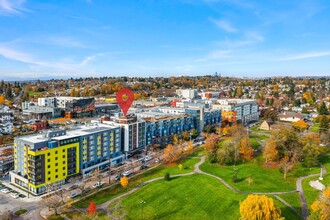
(143, 167)
(15, 195)
(117, 177)
(74, 195)
(147, 158)
(5, 190)
(1, 186)
(98, 184)
(86, 190)
(73, 187)
(127, 173)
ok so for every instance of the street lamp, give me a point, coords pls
(142, 203)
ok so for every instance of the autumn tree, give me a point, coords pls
(256, 207)
(245, 149)
(124, 181)
(210, 146)
(270, 152)
(2, 99)
(175, 139)
(227, 152)
(91, 210)
(180, 166)
(321, 206)
(300, 125)
(72, 92)
(171, 154)
(311, 149)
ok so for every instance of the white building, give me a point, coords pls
(47, 102)
(291, 117)
(247, 110)
(187, 93)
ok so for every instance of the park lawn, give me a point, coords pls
(315, 127)
(159, 171)
(293, 199)
(264, 179)
(260, 137)
(84, 216)
(255, 144)
(184, 198)
(312, 194)
(286, 212)
(198, 152)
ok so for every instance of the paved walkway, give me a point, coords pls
(104, 207)
(304, 205)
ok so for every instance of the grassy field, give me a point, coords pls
(183, 198)
(105, 195)
(255, 144)
(264, 179)
(311, 193)
(293, 199)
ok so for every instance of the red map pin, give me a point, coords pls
(126, 103)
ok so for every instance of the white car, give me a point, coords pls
(98, 184)
(127, 173)
(5, 190)
(15, 195)
(147, 158)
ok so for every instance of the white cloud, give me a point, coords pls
(305, 55)
(65, 41)
(214, 55)
(223, 24)
(11, 7)
(35, 62)
(248, 39)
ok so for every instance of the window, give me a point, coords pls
(56, 164)
(48, 160)
(63, 168)
(48, 178)
(56, 176)
(48, 166)
(63, 150)
(48, 154)
(63, 156)
(56, 158)
(48, 172)
(55, 152)
(56, 170)
(63, 174)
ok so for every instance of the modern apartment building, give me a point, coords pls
(55, 156)
(161, 127)
(133, 131)
(247, 110)
(187, 93)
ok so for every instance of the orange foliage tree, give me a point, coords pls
(245, 149)
(2, 99)
(171, 155)
(270, 152)
(300, 125)
(321, 206)
(259, 207)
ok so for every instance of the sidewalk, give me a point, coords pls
(31, 198)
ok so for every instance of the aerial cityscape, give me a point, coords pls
(183, 109)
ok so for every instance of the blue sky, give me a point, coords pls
(73, 38)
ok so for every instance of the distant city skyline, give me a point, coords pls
(44, 39)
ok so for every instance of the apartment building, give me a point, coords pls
(55, 156)
(247, 110)
(161, 127)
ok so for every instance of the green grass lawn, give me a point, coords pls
(21, 212)
(107, 194)
(84, 216)
(315, 128)
(312, 194)
(286, 212)
(183, 198)
(55, 217)
(264, 179)
(293, 199)
(255, 144)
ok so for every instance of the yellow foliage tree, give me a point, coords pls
(180, 166)
(256, 207)
(270, 152)
(300, 125)
(321, 206)
(245, 149)
(124, 181)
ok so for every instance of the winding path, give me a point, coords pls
(104, 206)
(304, 206)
